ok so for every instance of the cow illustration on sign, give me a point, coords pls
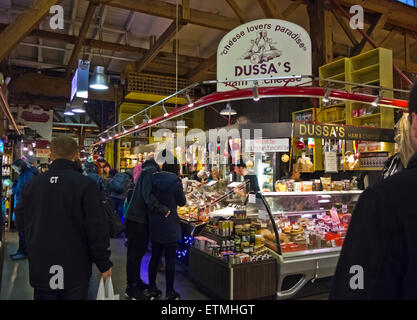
(262, 49)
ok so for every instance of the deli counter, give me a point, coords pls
(272, 238)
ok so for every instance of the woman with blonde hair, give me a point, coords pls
(404, 150)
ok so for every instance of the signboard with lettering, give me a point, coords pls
(267, 145)
(261, 49)
(79, 83)
(329, 131)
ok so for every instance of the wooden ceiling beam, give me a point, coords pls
(238, 11)
(291, 8)
(381, 21)
(54, 87)
(401, 15)
(269, 9)
(23, 25)
(168, 10)
(163, 40)
(346, 28)
(81, 37)
(194, 74)
(105, 45)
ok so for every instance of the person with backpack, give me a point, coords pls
(118, 188)
(165, 229)
(142, 202)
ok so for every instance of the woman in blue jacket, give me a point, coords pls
(165, 230)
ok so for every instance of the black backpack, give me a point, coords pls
(120, 183)
(116, 226)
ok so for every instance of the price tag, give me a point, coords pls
(252, 198)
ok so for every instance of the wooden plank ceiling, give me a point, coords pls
(155, 36)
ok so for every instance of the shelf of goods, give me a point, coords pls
(129, 109)
(280, 237)
(372, 67)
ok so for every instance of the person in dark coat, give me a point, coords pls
(141, 203)
(379, 255)
(165, 230)
(66, 230)
(26, 173)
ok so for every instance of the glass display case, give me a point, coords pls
(311, 228)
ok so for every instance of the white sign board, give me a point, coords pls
(37, 119)
(330, 162)
(267, 145)
(261, 49)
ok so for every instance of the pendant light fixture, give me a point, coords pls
(68, 111)
(98, 80)
(228, 111)
(78, 106)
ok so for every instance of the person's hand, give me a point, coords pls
(106, 274)
(168, 213)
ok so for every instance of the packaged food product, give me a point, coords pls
(307, 186)
(298, 186)
(290, 185)
(326, 183)
(280, 186)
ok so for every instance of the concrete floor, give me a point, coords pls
(15, 281)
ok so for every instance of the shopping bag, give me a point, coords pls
(105, 290)
(116, 226)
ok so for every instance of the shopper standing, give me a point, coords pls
(26, 173)
(62, 217)
(165, 230)
(379, 255)
(91, 171)
(253, 187)
(142, 202)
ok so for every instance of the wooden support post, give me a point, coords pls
(407, 49)
(321, 28)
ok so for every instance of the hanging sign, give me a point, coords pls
(261, 49)
(267, 145)
(330, 161)
(328, 131)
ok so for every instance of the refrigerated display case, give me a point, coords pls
(311, 228)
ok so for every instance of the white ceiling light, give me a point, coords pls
(68, 111)
(228, 111)
(164, 110)
(189, 101)
(326, 96)
(256, 93)
(98, 80)
(376, 101)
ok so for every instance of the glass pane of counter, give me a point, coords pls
(309, 221)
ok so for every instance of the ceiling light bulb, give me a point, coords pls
(98, 80)
(256, 94)
(376, 101)
(326, 96)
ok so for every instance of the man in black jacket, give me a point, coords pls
(137, 232)
(61, 215)
(379, 255)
